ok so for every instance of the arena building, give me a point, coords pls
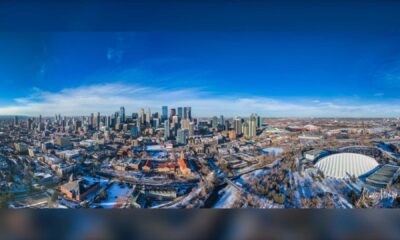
(344, 165)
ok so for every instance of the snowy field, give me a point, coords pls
(308, 188)
(227, 198)
(114, 193)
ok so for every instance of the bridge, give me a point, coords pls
(235, 186)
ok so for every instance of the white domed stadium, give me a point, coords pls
(343, 165)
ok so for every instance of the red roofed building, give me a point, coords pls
(79, 189)
(166, 168)
(147, 166)
(182, 165)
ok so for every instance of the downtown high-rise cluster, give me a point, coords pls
(172, 123)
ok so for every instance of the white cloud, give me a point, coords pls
(107, 98)
(379, 94)
(114, 54)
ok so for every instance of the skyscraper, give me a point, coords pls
(96, 120)
(182, 136)
(237, 125)
(214, 122)
(259, 122)
(175, 120)
(91, 120)
(122, 114)
(107, 121)
(180, 113)
(245, 129)
(172, 113)
(77, 125)
(185, 124)
(40, 126)
(116, 119)
(252, 125)
(187, 113)
(191, 128)
(148, 116)
(155, 122)
(166, 129)
(142, 116)
(135, 117)
(226, 125)
(134, 132)
(30, 122)
(164, 112)
(222, 122)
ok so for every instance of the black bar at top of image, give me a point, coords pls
(189, 15)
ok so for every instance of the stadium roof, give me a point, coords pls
(343, 165)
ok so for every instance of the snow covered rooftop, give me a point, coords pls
(343, 165)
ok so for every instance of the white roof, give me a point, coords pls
(343, 165)
(154, 148)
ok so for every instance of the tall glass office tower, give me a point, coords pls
(164, 112)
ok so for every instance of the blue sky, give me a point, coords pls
(294, 74)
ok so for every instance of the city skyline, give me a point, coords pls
(315, 75)
(252, 105)
(185, 114)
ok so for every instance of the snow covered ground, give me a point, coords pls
(114, 193)
(228, 196)
(259, 172)
(308, 188)
(273, 151)
(249, 176)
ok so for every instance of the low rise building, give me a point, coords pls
(384, 176)
(315, 154)
(79, 189)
